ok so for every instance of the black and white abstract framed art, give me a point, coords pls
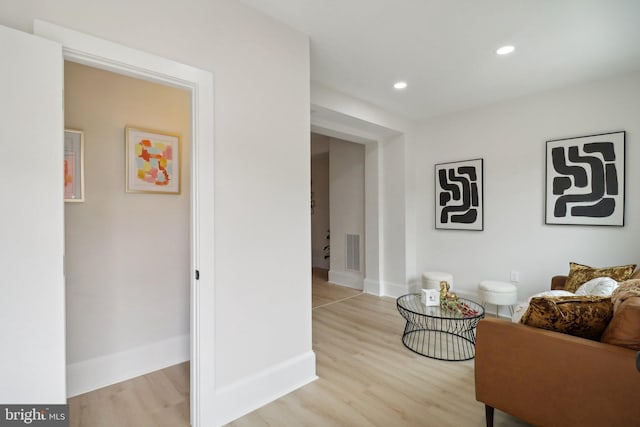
(459, 194)
(585, 180)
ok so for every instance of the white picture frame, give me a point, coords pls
(585, 180)
(459, 195)
(152, 161)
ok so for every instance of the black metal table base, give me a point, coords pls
(438, 335)
(440, 345)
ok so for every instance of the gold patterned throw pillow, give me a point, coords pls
(581, 316)
(579, 274)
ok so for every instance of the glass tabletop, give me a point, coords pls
(413, 303)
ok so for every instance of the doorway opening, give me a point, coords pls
(337, 117)
(127, 254)
(337, 218)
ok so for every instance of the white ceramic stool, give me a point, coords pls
(498, 293)
(432, 279)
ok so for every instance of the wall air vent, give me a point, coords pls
(353, 252)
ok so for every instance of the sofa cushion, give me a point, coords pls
(521, 308)
(580, 274)
(581, 316)
(624, 328)
(602, 286)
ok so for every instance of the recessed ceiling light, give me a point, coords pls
(400, 85)
(505, 50)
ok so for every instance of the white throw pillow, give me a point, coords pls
(600, 286)
(522, 308)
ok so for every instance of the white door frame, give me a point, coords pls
(98, 53)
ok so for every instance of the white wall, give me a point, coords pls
(346, 177)
(320, 192)
(393, 214)
(261, 71)
(127, 255)
(510, 137)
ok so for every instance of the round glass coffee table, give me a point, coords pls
(436, 332)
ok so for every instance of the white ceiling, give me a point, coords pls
(445, 49)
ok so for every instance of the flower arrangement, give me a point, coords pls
(450, 301)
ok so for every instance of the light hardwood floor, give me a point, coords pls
(324, 293)
(158, 399)
(366, 378)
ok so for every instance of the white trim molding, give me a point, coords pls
(343, 278)
(394, 290)
(247, 395)
(99, 372)
(372, 287)
(386, 289)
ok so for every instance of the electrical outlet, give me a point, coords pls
(515, 276)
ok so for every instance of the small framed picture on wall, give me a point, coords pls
(73, 166)
(153, 161)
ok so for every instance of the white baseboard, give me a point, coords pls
(371, 287)
(238, 399)
(348, 279)
(93, 374)
(394, 290)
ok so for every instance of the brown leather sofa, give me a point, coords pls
(549, 378)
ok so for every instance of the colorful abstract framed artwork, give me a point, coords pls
(459, 195)
(153, 161)
(585, 180)
(73, 166)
